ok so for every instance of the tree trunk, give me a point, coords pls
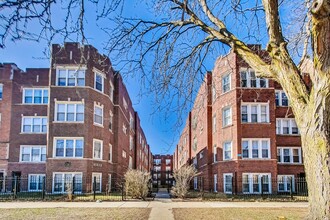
(316, 147)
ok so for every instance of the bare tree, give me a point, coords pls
(136, 183)
(182, 177)
(171, 49)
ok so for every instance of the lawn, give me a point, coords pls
(239, 213)
(76, 213)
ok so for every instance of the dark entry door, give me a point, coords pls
(16, 180)
(1, 181)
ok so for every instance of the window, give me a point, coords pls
(110, 153)
(249, 80)
(195, 183)
(168, 161)
(226, 116)
(1, 91)
(111, 91)
(289, 155)
(157, 161)
(168, 168)
(34, 124)
(35, 96)
(33, 154)
(256, 148)
(228, 183)
(97, 149)
(201, 155)
(70, 77)
(69, 147)
(63, 181)
(285, 182)
(98, 115)
(35, 182)
(256, 183)
(110, 120)
(125, 103)
(124, 129)
(69, 112)
(226, 83)
(286, 126)
(97, 182)
(124, 154)
(131, 142)
(99, 82)
(215, 182)
(215, 154)
(280, 98)
(227, 153)
(214, 94)
(255, 113)
(131, 121)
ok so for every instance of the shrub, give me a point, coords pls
(136, 183)
(182, 177)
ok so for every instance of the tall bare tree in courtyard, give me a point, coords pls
(177, 41)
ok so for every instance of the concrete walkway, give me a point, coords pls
(161, 208)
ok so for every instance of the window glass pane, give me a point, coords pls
(295, 154)
(279, 155)
(70, 112)
(72, 78)
(79, 148)
(286, 155)
(253, 79)
(43, 154)
(69, 148)
(255, 151)
(254, 113)
(36, 125)
(33, 182)
(35, 154)
(265, 148)
(59, 148)
(45, 96)
(277, 98)
(58, 183)
(244, 113)
(37, 96)
(97, 150)
(294, 127)
(243, 79)
(245, 149)
(98, 82)
(27, 124)
(44, 124)
(285, 126)
(28, 96)
(26, 153)
(284, 99)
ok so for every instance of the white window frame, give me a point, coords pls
(124, 154)
(281, 150)
(124, 129)
(215, 154)
(286, 181)
(102, 75)
(214, 127)
(110, 153)
(101, 150)
(98, 177)
(229, 83)
(249, 112)
(32, 124)
(215, 182)
(229, 117)
(33, 96)
(224, 150)
(67, 69)
(38, 182)
(290, 121)
(66, 112)
(224, 183)
(74, 139)
(111, 92)
(250, 148)
(280, 101)
(1, 91)
(214, 94)
(63, 181)
(249, 78)
(130, 162)
(251, 182)
(96, 115)
(40, 147)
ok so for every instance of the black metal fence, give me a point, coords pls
(287, 188)
(70, 188)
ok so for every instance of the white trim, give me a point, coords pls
(249, 111)
(101, 150)
(250, 182)
(98, 177)
(230, 120)
(66, 103)
(64, 147)
(280, 101)
(224, 183)
(291, 122)
(286, 179)
(281, 149)
(63, 180)
(43, 89)
(248, 72)
(222, 85)
(224, 150)
(31, 147)
(250, 148)
(32, 119)
(103, 76)
(67, 69)
(38, 178)
(102, 115)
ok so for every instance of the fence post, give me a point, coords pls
(43, 188)
(15, 187)
(262, 185)
(291, 188)
(122, 191)
(94, 187)
(73, 184)
(232, 185)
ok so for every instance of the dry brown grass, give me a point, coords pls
(76, 213)
(239, 213)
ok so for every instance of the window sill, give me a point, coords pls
(226, 126)
(288, 163)
(285, 135)
(256, 158)
(68, 122)
(258, 123)
(98, 125)
(34, 103)
(33, 133)
(32, 162)
(255, 87)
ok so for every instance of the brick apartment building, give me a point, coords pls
(241, 133)
(74, 119)
(162, 170)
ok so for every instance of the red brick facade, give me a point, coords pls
(162, 169)
(251, 125)
(92, 127)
